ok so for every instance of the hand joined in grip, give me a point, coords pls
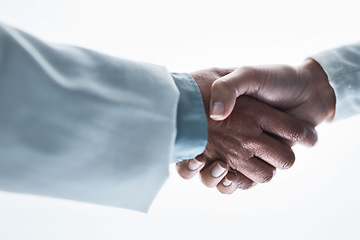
(303, 91)
(250, 143)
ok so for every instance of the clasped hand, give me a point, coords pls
(249, 139)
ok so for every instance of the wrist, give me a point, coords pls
(319, 87)
(191, 121)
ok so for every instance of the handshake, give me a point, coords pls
(255, 115)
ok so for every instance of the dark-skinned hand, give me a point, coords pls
(248, 145)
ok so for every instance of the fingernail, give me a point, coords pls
(217, 111)
(194, 164)
(217, 171)
(226, 182)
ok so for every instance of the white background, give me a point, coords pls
(317, 199)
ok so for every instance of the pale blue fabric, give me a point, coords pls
(342, 66)
(191, 126)
(81, 125)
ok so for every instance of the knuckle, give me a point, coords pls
(217, 71)
(251, 141)
(213, 69)
(238, 161)
(236, 157)
(222, 84)
(233, 161)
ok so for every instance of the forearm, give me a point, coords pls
(320, 89)
(342, 66)
(82, 125)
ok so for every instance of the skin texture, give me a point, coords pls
(250, 144)
(302, 91)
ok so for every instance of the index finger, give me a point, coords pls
(285, 126)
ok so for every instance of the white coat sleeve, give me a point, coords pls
(342, 66)
(80, 125)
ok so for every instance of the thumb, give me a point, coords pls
(225, 90)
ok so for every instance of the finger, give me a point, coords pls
(285, 141)
(273, 151)
(225, 90)
(189, 168)
(244, 183)
(228, 184)
(212, 174)
(233, 181)
(256, 169)
(287, 127)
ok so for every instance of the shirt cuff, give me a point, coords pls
(192, 131)
(343, 70)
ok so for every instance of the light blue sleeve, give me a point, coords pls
(191, 124)
(84, 126)
(342, 66)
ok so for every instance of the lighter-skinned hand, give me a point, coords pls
(302, 91)
(247, 146)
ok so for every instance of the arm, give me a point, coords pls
(304, 91)
(81, 125)
(342, 66)
(308, 92)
